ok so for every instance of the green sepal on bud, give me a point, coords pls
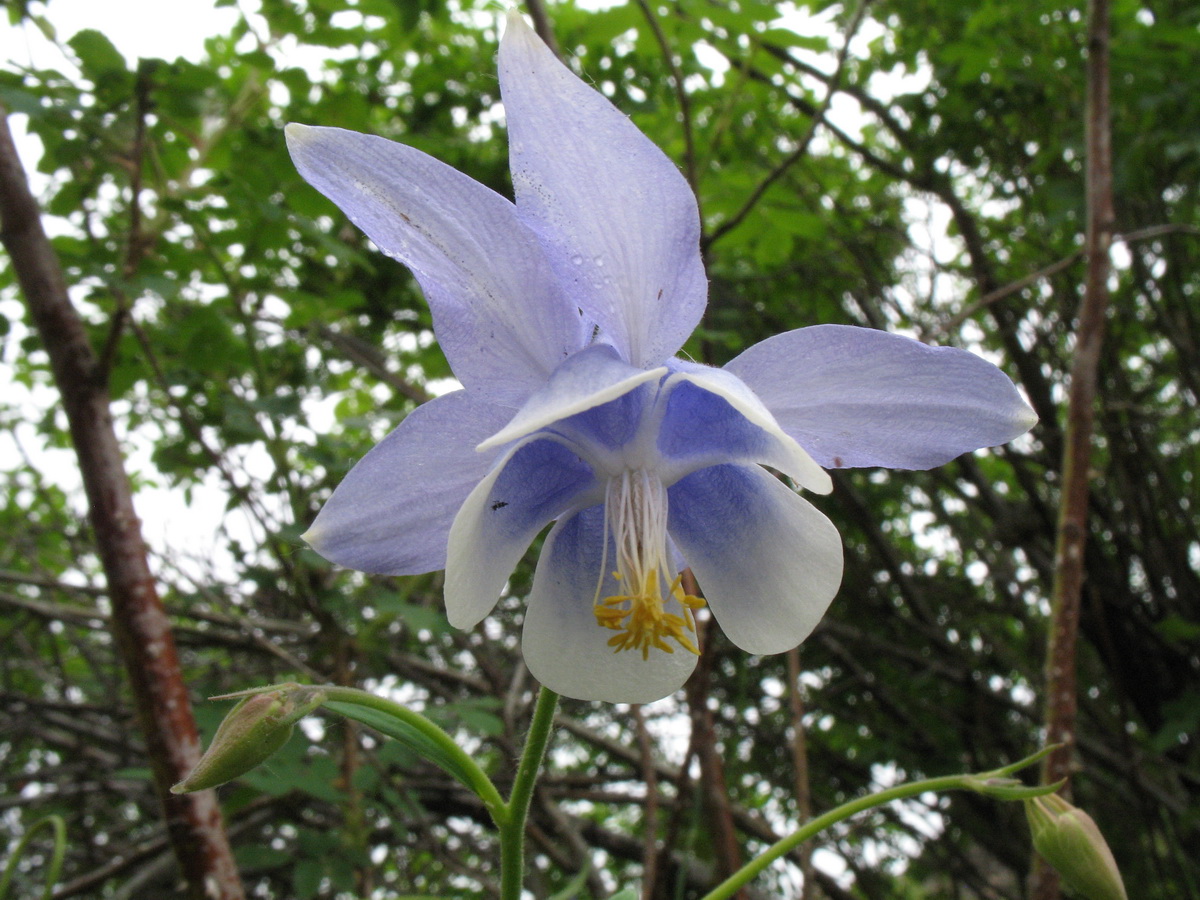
(1069, 840)
(1000, 784)
(254, 729)
(1004, 788)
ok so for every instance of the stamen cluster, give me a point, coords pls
(635, 512)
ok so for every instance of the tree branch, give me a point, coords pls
(650, 813)
(139, 622)
(542, 25)
(802, 785)
(1061, 692)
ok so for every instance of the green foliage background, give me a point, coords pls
(257, 346)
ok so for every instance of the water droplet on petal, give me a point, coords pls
(577, 259)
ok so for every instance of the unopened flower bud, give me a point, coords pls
(254, 729)
(1069, 840)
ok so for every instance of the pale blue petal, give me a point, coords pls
(768, 562)
(859, 397)
(590, 378)
(537, 481)
(618, 219)
(712, 417)
(392, 513)
(565, 648)
(609, 428)
(498, 310)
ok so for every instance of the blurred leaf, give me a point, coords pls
(97, 56)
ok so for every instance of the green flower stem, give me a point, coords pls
(995, 784)
(464, 764)
(509, 817)
(747, 873)
(512, 831)
(56, 824)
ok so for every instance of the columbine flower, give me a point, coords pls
(561, 314)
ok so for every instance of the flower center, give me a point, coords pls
(635, 513)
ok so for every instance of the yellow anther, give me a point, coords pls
(643, 624)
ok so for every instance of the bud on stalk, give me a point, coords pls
(254, 729)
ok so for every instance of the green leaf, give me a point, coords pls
(406, 734)
(1177, 628)
(786, 37)
(1182, 720)
(259, 856)
(415, 616)
(474, 714)
(98, 57)
(576, 884)
(19, 101)
(306, 878)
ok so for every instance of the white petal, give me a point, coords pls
(768, 562)
(565, 648)
(589, 378)
(536, 482)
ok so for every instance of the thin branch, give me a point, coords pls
(240, 492)
(681, 96)
(57, 611)
(566, 827)
(815, 121)
(252, 816)
(369, 357)
(715, 801)
(650, 813)
(136, 243)
(940, 185)
(47, 581)
(1141, 234)
(803, 785)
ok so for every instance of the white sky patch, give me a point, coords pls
(141, 28)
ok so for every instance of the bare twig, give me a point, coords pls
(369, 357)
(253, 815)
(926, 178)
(136, 241)
(1141, 234)
(803, 787)
(47, 582)
(714, 791)
(48, 610)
